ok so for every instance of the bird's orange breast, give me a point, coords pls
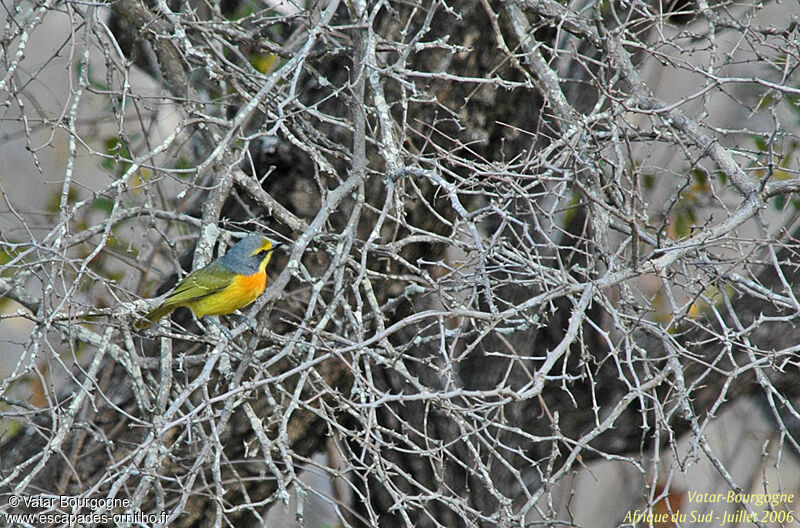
(251, 285)
(248, 287)
(242, 291)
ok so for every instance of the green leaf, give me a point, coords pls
(118, 151)
(54, 200)
(700, 176)
(102, 204)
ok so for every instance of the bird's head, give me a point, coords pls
(250, 255)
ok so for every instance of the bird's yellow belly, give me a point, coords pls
(241, 292)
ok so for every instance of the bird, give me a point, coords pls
(227, 284)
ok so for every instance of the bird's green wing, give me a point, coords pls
(199, 284)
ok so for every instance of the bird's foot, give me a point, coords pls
(251, 324)
(221, 327)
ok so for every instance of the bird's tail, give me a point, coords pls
(153, 316)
